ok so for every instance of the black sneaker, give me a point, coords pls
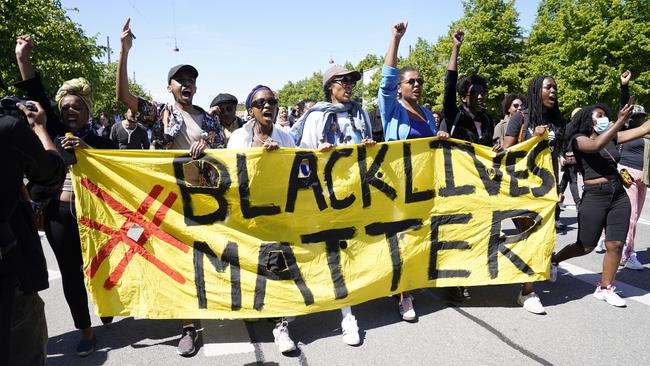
(86, 346)
(458, 293)
(186, 343)
(559, 225)
(106, 319)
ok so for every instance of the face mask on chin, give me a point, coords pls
(601, 125)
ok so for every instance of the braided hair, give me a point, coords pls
(536, 108)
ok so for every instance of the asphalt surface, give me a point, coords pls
(488, 329)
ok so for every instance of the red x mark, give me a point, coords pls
(151, 228)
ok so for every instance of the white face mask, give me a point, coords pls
(601, 125)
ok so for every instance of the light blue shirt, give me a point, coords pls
(394, 116)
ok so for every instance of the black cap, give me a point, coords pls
(174, 70)
(223, 98)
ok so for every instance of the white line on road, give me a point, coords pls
(629, 292)
(225, 337)
(641, 221)
(53, 275)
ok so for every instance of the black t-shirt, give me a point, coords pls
(516, 120)
(600, 164)
(632, 154)
(130, 139)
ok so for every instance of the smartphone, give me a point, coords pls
(68, 156)
(631, 100)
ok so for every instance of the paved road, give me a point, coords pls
(489, 329)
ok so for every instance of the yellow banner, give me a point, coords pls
(251, 233)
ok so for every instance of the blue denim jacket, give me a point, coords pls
(394, 116)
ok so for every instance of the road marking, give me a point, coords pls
(53, 275)
(225, 337)
(641, 221)
(629, 292)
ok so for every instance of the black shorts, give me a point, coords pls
(603, 206)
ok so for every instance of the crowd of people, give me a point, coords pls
(608, 155)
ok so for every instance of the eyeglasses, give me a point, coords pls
(260, 103)
(345, 80)
(413, 81)
(227, 108)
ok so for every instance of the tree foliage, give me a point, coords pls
(105, 99)
(62, 50)
(586, 45)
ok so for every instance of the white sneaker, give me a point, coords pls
(633, 263)
(282, 338)
(531, 302)
(600, 247)
(609, 295)
(553, 276)
(406, 309)
(350, 330)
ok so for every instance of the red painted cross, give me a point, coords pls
(151, 228)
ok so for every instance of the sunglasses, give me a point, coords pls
(345, 80)
(516, 105)
(227, 108)
(260, 103)
(413, 81)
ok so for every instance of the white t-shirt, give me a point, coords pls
(243, 137)
(344, 134)
(190, 132)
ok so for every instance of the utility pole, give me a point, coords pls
(134, 77)
(108, 46)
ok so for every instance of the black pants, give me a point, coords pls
(8, 286)
(570, 178)
(63, 234)
(604, 206)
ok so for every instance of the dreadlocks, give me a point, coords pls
(536, 108)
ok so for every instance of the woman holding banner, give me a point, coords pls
(605, 204)
(260, 131)
(403, 118)
(542, 113)
(338, 121)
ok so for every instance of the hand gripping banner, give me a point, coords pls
(252, 233)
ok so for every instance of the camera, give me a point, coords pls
(8, 106)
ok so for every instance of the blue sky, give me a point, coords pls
(237, 45)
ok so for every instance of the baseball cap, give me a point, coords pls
(338, 70)
(223, 98)
(638, 110)
(174, 70)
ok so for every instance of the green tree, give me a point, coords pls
(104, 91)
(308, 88)
(586, 45)
(493, 45)
(62, 51)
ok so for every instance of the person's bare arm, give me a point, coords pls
(24, 47)
(122, 82)
(588, 145)
(398, 31)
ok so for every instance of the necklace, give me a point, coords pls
(256, 137)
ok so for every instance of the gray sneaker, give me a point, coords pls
(186, 343)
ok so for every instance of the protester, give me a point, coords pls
(283, 120)
(511, 104)
(541, 114)
(605, 205)
(224, 106)
(27, 153)
(129, 134)
(186, 127)
(403, 118)
(467, 121)
(261, 132)
(74, 99)
(437, 115)
(103, 126)
(338, 121)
